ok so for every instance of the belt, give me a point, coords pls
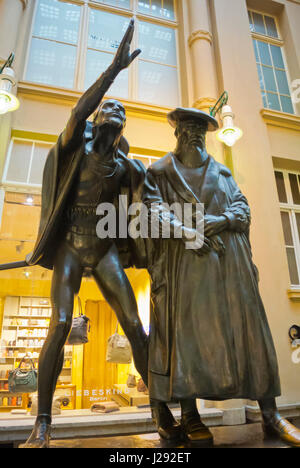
(84, 231)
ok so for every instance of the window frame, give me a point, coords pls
(276, 41)
(24, 186)
(82, 47)
(291, 208)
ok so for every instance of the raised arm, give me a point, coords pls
(92, 98)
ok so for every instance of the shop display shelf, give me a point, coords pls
(29, 316)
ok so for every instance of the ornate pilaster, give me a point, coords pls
(202, 54)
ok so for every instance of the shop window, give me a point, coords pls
(63, 54)
(25, 163)
(288, 187)
(272, 71)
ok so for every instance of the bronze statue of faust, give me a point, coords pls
(209, 337)
(86, 167)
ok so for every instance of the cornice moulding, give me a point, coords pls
(294, 295)
(281, 119)
(70, 97)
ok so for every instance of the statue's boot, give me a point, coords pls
(40, 436)
(168, 428)
(280, 428)
(196, 433)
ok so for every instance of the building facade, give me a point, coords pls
(192, 50)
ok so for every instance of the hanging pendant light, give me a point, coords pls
(229, 134)
(8, 101)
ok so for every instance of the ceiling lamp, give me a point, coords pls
(8, 101)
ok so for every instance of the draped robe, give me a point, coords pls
(209, 334)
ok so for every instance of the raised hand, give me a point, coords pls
(123, 58)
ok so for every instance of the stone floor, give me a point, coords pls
(247, 436)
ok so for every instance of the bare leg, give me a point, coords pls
(117, 291)
(65, 284)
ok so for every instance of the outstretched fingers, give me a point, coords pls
(129, 33)
(134, 55)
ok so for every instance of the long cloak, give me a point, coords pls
(209, 335)
(58, 177)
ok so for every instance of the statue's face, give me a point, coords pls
(191, 131)
(111, 112)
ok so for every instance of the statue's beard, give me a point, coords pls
(192, 139)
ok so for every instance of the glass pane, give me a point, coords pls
(159, 8)
(298, 224)
(51, 63)
(106, 30)
(259, 23)
(287, 231)
(97, 63)
(271, 26)
(57, 20)
(282, 82)
(265, 99)
(269, 79)
(117, 3)
(158, 84)
(287, 105)
(280, 187)
(292, 265)
(260, 77)
(251, 21)
(264, 53)
(295, 188)
(256, 51)
(19, 162)
(158, 43)
(273, 101)
(277, 56)
(39, 158)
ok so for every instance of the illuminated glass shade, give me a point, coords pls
(8, 102)
(229, 134)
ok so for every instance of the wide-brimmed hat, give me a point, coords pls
(181, 114)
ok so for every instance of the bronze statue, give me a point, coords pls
(210, 337)
(87, 166)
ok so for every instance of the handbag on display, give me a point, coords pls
(80, 328)
(23, 380)
(118, 349)
(131, 381)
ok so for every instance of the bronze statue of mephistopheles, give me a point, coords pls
(209, 335)
(87, 166)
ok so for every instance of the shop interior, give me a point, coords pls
(86, 378)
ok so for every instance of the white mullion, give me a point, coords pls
(288, 187)
(8, 158)
(295, 235)
(83, 46)
(30, 162)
